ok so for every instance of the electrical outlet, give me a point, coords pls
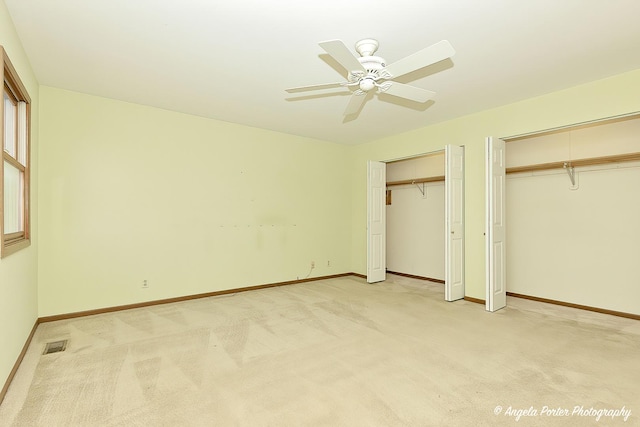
(329, 263)
(313, 264)
(145, 284)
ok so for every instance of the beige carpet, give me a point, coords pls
(332, 353)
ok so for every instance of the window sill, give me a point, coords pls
(14, 247)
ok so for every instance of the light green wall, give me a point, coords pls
(18, 272)
(190, 204)
(609, 97)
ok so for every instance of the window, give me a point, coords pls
(14, 169)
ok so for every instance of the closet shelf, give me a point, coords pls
(629, 157)
(416, 181)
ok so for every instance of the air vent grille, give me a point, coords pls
(55, 347)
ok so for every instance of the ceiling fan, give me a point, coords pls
(369, 73)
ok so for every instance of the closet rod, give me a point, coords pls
(416, 181)
(630, 157)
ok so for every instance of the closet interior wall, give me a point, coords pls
(416, 216)
(576, 242)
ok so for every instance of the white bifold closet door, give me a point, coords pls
(454, 223)
(496, 292)
(376, 221)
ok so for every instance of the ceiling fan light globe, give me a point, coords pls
(367, 84)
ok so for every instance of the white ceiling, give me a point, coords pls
(233, 60)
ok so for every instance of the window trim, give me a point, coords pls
(12, 243)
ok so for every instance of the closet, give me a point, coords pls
(573, 215)
(416, 216)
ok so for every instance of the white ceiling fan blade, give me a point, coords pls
(355, 103)
(408, 92)
(423, 58)
(314, 87)
(340, 52)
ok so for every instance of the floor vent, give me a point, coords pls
(55, 347)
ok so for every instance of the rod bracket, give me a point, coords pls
(421, 189)
(571, 172)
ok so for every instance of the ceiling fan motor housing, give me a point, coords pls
(375, 71)
(372, 62)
